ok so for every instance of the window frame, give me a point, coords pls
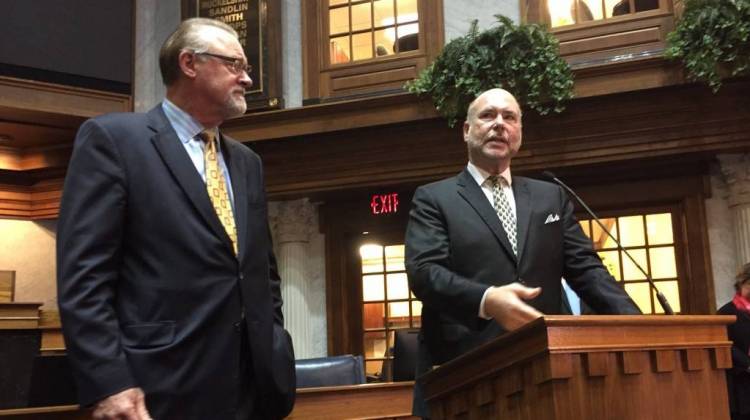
(324, 81)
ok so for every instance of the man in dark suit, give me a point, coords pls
(485, 251)
(167, 283)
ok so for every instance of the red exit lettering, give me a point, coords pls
(384, 203)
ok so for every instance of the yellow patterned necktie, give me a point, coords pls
(216, 185)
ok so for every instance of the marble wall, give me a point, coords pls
(154, 21)
(458, 14)
(28, 248)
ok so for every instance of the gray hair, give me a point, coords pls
(187, 36)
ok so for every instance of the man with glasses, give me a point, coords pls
(167, 283)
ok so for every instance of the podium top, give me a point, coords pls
(561, 334)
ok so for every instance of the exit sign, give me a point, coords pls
(384, 203)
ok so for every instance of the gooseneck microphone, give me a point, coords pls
(659, 296)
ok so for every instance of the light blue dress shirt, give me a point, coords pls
(187, 128)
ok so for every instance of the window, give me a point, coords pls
(368, 29)
(356, 47)
(595, 33)
(387, 302)
(558, 13)
(649, 238)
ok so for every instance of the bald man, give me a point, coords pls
(485, 250)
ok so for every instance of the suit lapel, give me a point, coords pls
(522, 196)
(237, 173)
(183, 170)
(472, 193)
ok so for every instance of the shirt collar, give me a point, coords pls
(184, 124)
(480, 175)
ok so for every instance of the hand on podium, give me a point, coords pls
(505, 304)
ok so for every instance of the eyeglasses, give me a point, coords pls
(236, 64)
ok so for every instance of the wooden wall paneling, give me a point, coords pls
(58, 99)
(7, 285)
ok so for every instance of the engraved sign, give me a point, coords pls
(250, 18)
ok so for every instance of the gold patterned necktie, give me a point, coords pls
(216, 185)
(502, 206)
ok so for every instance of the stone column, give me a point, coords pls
(736, 171)
(294, 230)
(154, 21)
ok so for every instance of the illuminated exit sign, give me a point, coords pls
(384, 203)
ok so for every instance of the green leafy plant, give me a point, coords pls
(523, 59)
(712, 38)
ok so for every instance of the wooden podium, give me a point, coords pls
(591, 367)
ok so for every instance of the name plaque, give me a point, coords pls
(258, 25)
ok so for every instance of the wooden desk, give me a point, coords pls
(367, 401)
(61, 412)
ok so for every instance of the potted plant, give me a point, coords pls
(523, 59)
(712, 38)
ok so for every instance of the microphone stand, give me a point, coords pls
(659, 296)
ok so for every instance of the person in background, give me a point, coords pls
(738, 378)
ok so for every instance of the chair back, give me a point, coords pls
(330, 371)
(405, 346)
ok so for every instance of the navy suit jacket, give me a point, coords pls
(149, 289)
(456, 248)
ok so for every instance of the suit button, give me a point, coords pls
(242, 276)
(237, 326)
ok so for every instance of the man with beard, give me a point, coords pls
(485, 251)
(167, 284)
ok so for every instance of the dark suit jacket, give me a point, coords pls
(456, 248)
(738, 378)
(149, 289)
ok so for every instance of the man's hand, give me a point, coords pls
(506, 305)
(126, 405)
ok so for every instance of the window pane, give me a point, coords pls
(600, 238)
(384, 41)
(640, 294)
(374, 367)
(372, 258)
(671, 291)
(375, 344)
(659, 228)
(394, 258)
(361, 17)
(338, 20)
(590, 10)
(372, 287)
(611, 260)
(407, 11)
(408, 37)
(398, 286)
(631, 231)
(416, 312)
(630, 271)
(335, 2)
(340, 50)
(560, 12)
(663, 264)
(383, 10)
(398, 314)
(585, 225)
(373, 315)
(362, 46)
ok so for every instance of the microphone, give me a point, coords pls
(659, 296)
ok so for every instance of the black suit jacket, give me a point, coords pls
(456, 248)
(149, 289)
